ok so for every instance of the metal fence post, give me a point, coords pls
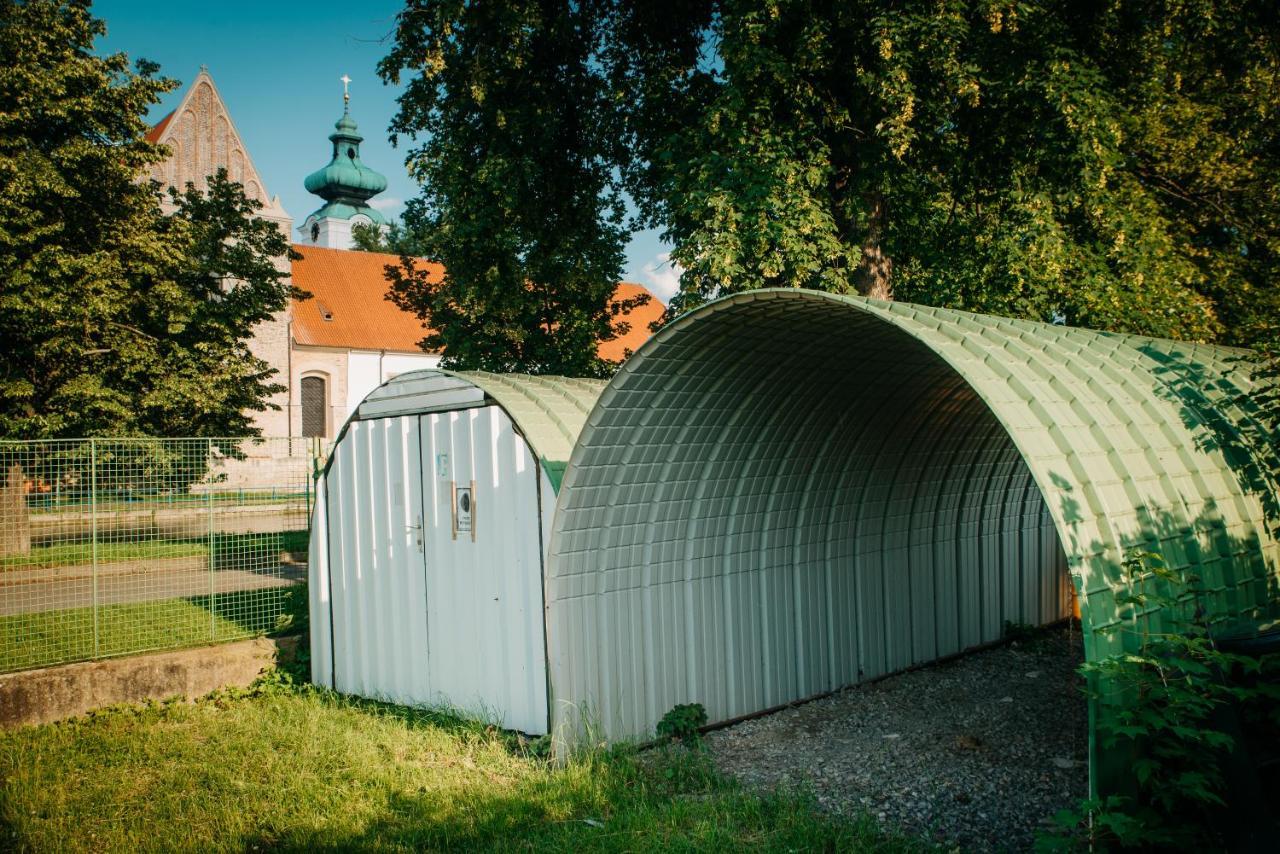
(213, 555)
(93, 528)
(308, 478)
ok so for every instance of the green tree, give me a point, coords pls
(520, 202)
(116, 319)
(397, 239)
(222, 279)
(1108, 164)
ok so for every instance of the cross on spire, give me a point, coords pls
(346, 95)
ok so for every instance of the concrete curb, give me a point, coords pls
(191, 563)
(55, 693)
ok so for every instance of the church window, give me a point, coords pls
(315, 231)
(351, 152)
(314, 406)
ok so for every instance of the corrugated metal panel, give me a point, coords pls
(418, 615)
(415, 392)
(548, 411)
(377, 577)
(318, 590)
(484, 594)
(786, 491)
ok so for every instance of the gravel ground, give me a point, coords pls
(976, 753)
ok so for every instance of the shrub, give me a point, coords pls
(1166, 703)
(682, 722)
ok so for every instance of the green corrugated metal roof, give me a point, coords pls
(548, 410)
(1132, 442)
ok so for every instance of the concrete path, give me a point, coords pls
(194, 521)
(182, 577)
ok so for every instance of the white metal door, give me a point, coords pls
(379, 622)
(484, 568)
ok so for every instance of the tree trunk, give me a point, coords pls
(875, 275)
(15, 522)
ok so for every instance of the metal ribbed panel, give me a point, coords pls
(318, 604)
(785, 492)
(484, 595)
(375, 563)
(549, 411)
(416, 614)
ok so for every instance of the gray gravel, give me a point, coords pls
(976, 753)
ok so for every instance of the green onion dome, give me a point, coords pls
(347, 182)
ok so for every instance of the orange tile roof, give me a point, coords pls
(639, 320)
(155, 133)
(348, 307)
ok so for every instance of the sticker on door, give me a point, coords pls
(464, 509)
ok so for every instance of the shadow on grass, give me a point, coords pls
(300, 768)
(615, 800)
(242, 613)
(256, 552)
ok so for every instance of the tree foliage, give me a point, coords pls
(520, 203)
(1184, 707)
(115, 318)
(396, 239)
(1109, 164)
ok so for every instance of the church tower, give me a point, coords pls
(346, 185)
(202, 139)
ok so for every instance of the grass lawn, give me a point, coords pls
(229, 547)
(297, 769)
(44, 638)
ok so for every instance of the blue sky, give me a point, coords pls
(277, 66)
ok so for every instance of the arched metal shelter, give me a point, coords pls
(428, 541)
(785, 492)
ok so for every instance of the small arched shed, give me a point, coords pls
(785, 492)
(428, 541)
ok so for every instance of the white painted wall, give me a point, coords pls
(364, 374)
(333, 233)
(394, 364)
(366, 370)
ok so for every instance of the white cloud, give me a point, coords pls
(662, 276)
(385, 203)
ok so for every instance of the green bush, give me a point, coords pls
(1168, 701)
(682, 722)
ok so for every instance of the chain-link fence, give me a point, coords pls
(117, 546)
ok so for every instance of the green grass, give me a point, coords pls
(45, 638)
(295, 769)
(252, 549)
